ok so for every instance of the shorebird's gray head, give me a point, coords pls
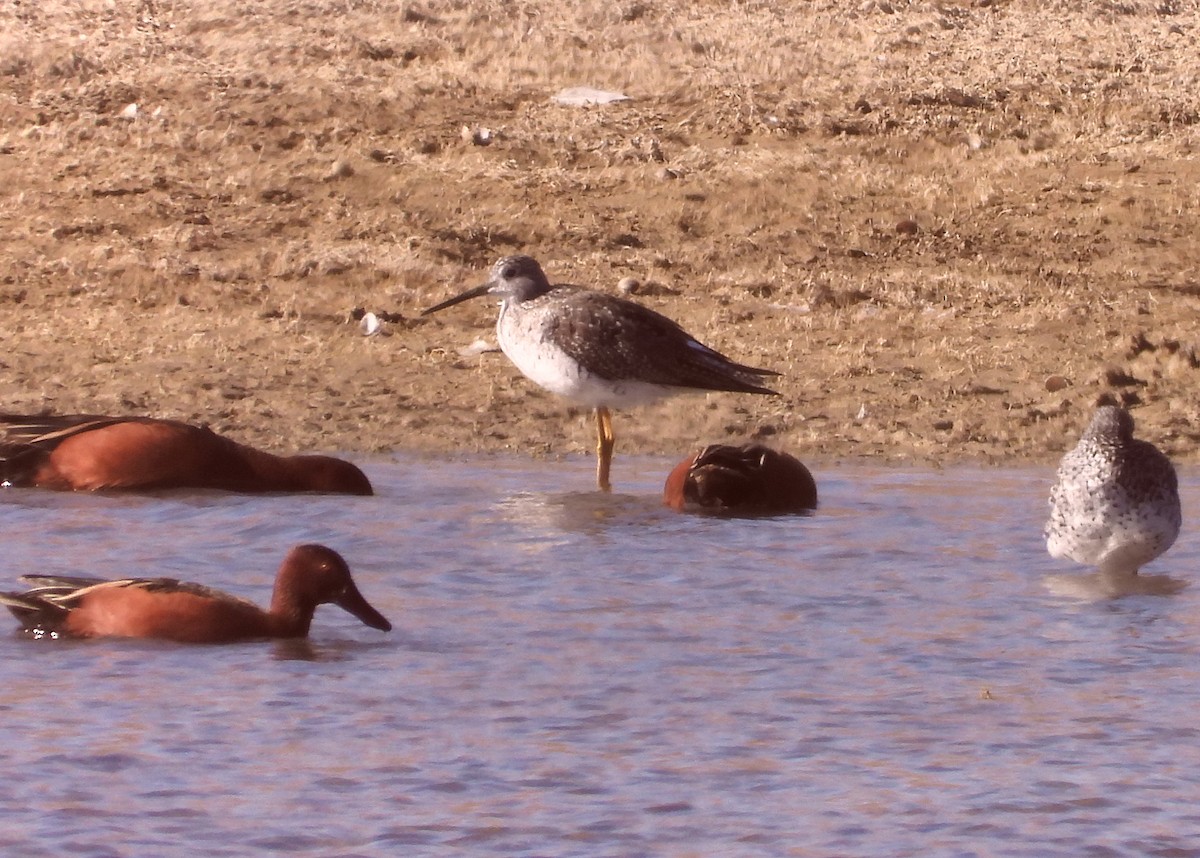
(1110, 423)
(518, 277)
(512, 278)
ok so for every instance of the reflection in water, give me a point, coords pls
(301, 649)
(590, 513)
(581, 674)
(1097, 586)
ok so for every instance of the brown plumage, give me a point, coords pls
(750, 479)
(82, 452)
(166, 609)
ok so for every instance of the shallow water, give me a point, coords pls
(580, 674)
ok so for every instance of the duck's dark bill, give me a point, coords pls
(353, 601)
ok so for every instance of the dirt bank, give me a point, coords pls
(950, 226)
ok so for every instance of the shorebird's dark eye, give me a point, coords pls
(509, 271)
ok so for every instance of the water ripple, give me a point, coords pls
(583, 674)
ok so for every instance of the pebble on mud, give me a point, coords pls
(628, 285)
(369, 325)
(479, 347)
(478, 136)
(1055, 383)
(341, 169)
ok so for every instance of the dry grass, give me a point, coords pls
(287, 165)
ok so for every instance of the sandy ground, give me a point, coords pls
(950, 226)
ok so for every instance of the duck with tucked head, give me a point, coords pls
(82, 452)
(751, 479)
(167, 609)
(598, 350)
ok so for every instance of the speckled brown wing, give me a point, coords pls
(606, 335)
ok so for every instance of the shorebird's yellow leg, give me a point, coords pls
(604, 448)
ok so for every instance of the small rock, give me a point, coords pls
(907, 227)
(428, 146)
(1055, 383)
(667, 174)
(341, 170)
(478, 136)
(129, 112)
(370, 325)
(480, 346)
(628, 285)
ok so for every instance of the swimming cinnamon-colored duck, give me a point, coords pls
(167, 609)
(82, 452)
(749, 479)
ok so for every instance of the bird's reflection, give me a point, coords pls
(307, 649)
(1101, 586)
(590, 513)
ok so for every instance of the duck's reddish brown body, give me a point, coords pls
(751, 479)
(166, 609)
(90, 453)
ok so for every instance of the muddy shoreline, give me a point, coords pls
(951, 229)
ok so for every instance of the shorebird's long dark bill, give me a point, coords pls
(458, 299)
(351, 600)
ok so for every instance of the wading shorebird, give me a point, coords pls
(166, 609)
(1115, 504)
(598, 350)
